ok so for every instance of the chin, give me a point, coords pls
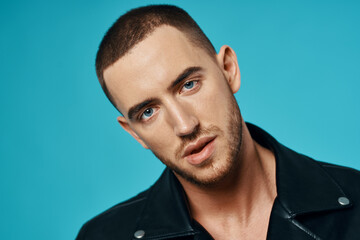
(210, 174)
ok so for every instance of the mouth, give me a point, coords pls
(196, 153)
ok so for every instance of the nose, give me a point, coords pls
(182, 119)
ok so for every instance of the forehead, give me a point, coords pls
(148, 68)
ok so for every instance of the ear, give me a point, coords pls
(125, 125)
(229, 65)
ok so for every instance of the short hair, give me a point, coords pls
(135, 25)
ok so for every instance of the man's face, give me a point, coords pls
(178, 102)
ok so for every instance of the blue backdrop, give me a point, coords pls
(63, 156)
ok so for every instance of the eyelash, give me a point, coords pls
(143, 112)
(196, 85)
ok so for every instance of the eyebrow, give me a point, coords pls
(183, 75)
(135, 109)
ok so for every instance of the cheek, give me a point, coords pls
(159, 138)
(213, 103)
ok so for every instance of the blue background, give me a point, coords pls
(63, 156)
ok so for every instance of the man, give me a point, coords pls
(224, 179)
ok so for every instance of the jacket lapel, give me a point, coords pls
(304, 188)
(166, 214)
(283, 226)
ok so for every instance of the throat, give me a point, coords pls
(242, 203)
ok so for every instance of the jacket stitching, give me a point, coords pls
(129, 203)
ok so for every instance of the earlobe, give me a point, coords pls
(229, 65)
(125, 125)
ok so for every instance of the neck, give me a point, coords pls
(240, 195)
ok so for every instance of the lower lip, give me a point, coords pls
(200, 157)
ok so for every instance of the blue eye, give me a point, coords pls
(147, 113)
(189, 85)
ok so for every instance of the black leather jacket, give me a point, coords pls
(315, 200)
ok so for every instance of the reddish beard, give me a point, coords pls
(234, 141)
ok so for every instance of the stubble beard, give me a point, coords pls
(230, 159)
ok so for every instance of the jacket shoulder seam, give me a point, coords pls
(121, 205)
(329, 165)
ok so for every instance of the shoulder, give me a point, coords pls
(347, 178)
(338, 169)
(117, 222)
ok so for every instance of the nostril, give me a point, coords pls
(182, 119)
(185, 128)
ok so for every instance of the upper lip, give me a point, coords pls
(201, 142)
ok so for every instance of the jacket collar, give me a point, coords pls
(165, 214)
(303, 186)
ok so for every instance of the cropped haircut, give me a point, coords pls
(135, 25)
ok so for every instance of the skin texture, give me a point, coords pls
(231, 191)
(180, 115)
